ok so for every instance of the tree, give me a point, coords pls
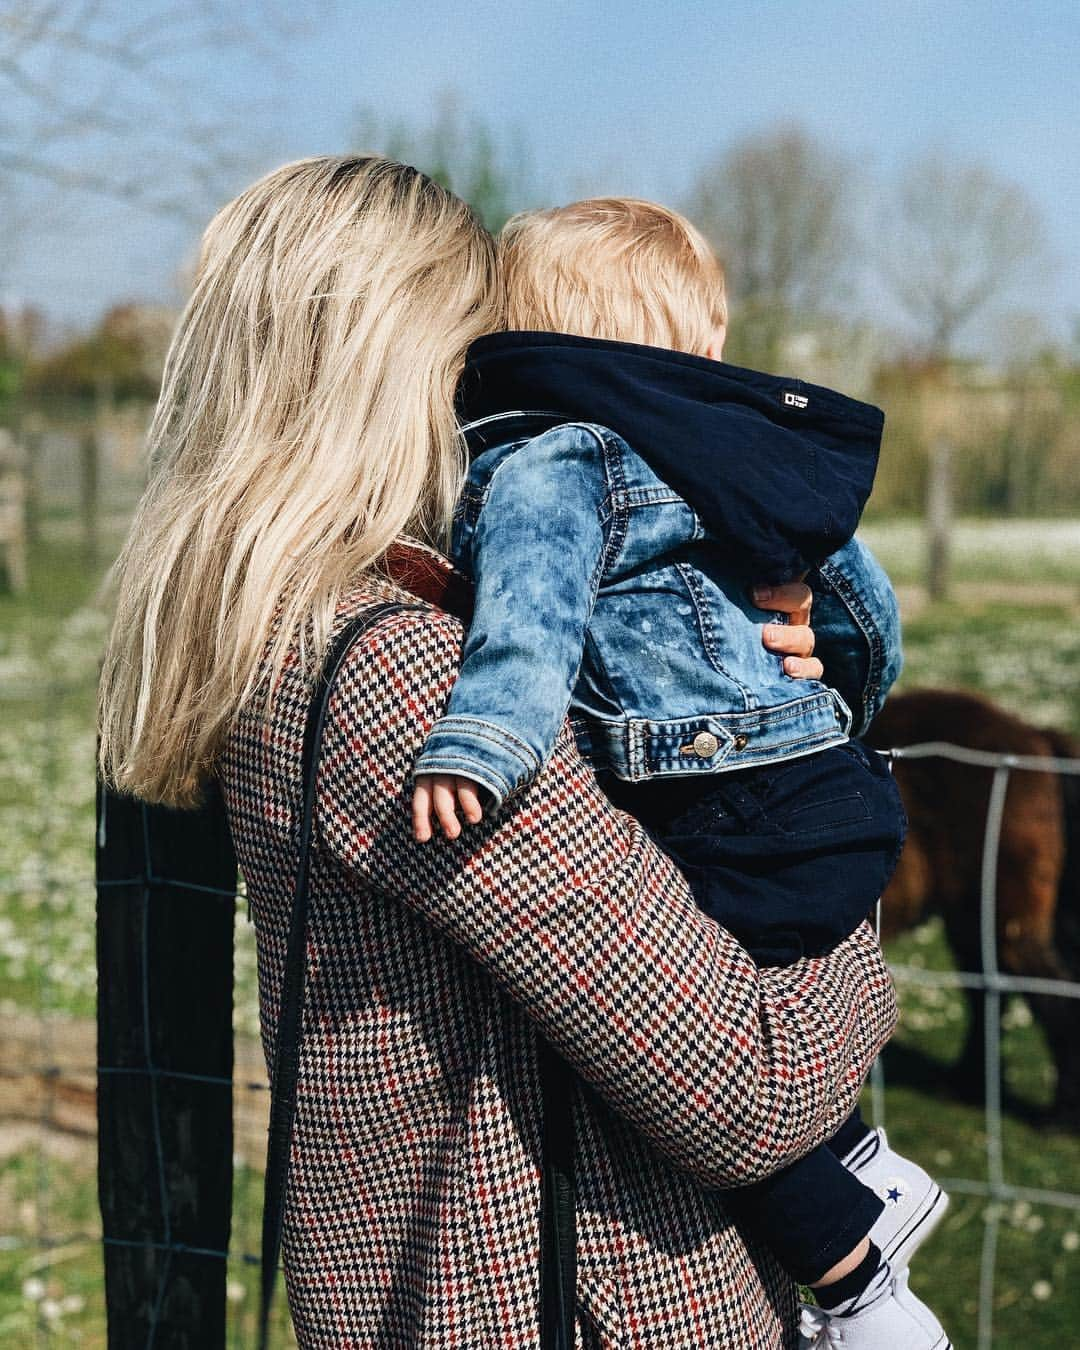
(957, 239)
(459, 150)
(121, 359)
(107, 99)
(776, 206)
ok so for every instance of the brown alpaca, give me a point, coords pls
(1038, 924)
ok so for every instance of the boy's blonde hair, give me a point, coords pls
(617, 268)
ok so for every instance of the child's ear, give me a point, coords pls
(715, 348)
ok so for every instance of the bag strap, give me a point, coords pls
(558, 1236)
(558, 1211)
(291, 1012)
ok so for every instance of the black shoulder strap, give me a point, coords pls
(558, 1220)
(558, 1209)
(291, 1014)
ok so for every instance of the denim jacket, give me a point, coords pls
(599, 589)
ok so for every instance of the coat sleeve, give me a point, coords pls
(732, 1072)
(536, 555)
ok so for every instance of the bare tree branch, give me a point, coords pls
(777, 208)
(957, 239)
(97, 98)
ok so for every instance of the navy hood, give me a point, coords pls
(778, 470)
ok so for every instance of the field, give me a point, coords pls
(1012, 630)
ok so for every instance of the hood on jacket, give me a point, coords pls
(778, 470)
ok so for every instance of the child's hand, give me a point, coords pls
(444, 791)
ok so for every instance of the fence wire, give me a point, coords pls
(53, 1240)
(993, 983)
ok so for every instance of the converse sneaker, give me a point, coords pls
(885, 1318)
(914, 1203)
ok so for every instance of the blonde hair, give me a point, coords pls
(306, 418)
(613, 267)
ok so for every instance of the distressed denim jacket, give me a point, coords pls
(600, 590)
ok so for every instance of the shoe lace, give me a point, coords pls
(817, 1329)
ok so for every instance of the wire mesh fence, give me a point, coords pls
(49, 1061)
(992, 983)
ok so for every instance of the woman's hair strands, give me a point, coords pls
(306, 418)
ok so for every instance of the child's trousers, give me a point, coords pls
(790, 858)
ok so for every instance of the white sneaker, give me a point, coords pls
(914, 1203)
(895, 1321)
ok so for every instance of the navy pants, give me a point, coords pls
(790, 858)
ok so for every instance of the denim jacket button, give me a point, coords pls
(705, 745)
(741, 742)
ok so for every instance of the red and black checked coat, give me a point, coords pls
(413, 1209)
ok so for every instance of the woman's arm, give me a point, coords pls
(731, 1071)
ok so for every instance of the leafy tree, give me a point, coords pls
(119, 360)
(459, 150)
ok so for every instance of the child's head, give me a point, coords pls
(616, 268)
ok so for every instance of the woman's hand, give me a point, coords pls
(794, 639)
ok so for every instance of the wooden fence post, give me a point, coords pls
(32, 435)
(165, 1056)
(89, 475)
(939, 517)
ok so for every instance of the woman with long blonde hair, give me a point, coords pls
(305, 459)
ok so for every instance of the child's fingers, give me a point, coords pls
(421, 810)
(442, 795)
(470, 800)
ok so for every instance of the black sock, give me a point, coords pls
(851, 1285)
(852, 1133)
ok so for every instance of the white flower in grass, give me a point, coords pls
(1018, 1015)
(1035, 1223)
(1042, 1290)
(1070, 1240)
(72, 1303)
(235, 1292)
(50, 1309)
(33, 1289)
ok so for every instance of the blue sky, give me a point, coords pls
(623, 96)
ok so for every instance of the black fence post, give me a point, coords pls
(165, 916)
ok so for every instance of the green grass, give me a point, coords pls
(1036, 1299)
(56, 1296)
(1008, 640)
(983, 551)
(1024, 656)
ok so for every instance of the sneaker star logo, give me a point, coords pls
(893, 1190)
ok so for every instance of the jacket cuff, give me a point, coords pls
(481, 750)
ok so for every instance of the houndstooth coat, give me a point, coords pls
(412, 1215)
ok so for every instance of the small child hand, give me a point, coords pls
(445, 792)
